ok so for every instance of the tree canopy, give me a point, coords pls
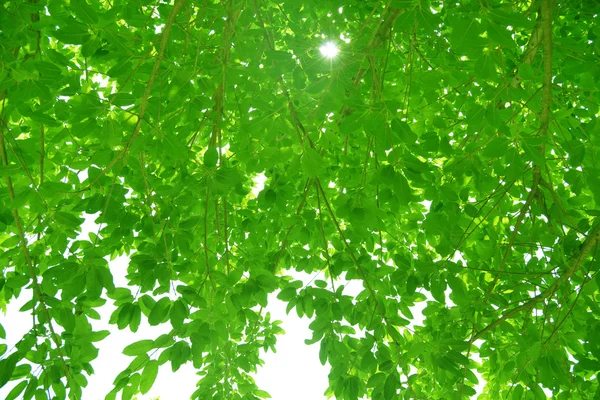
(448, 155)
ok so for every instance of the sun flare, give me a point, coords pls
(329, 50)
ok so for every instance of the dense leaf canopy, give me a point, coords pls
(447, 156)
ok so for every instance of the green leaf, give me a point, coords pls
(411, 285)
(352, 388)
(287, 294)
(377, 379)
(16, 282)
(84, 12)
(93, 284)
(159, 311)
(459, 292)
(139, 347)
(512, 18)
(485, 67)
(403, 132)
(270, 197)
(178, 313)
(67, 319)
(31, 387)
(67, 219)
(73, 33)
(501, 35)
(517, 392)
(438, 288)
(122, 99)
(211, 156)
(368, 362)
(312, 163)
(98, 336)
(9, 170)
(16, 391)
(124, 316)
(136, 318)
(119, 70)
(262, 394)
(389, 388)
(180, 353)
(7, 366)
(526, 71)
(148, 376)
(532, 150)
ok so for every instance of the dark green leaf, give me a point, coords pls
(389, 388)
(159, 311)
(84, 12)
(211, 156)
(7, 366)
(526, 71)
(16, 282)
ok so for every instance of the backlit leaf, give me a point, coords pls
(148, 376)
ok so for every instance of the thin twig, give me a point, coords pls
(592, 240)
(208, 274)
(23, 243)
(546, 24)
(353, 257)
(144, 101)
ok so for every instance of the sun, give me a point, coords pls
(329, 50)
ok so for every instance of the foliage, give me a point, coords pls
(448, 155)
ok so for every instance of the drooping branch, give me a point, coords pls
(298, 211)
(513, 237)
(145, 97)
(391, 329)
(547, 77)
(591, 241)
(299, 128)
(23, 243)
(380, 36)
(219, 95)
(531, 49)
(546, 27)
(205, 243)
(216, 135)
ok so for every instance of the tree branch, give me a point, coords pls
(23, 243)
(144, 101)
(546, 27)
(591, 241)
(355, 261)
(530, 51)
